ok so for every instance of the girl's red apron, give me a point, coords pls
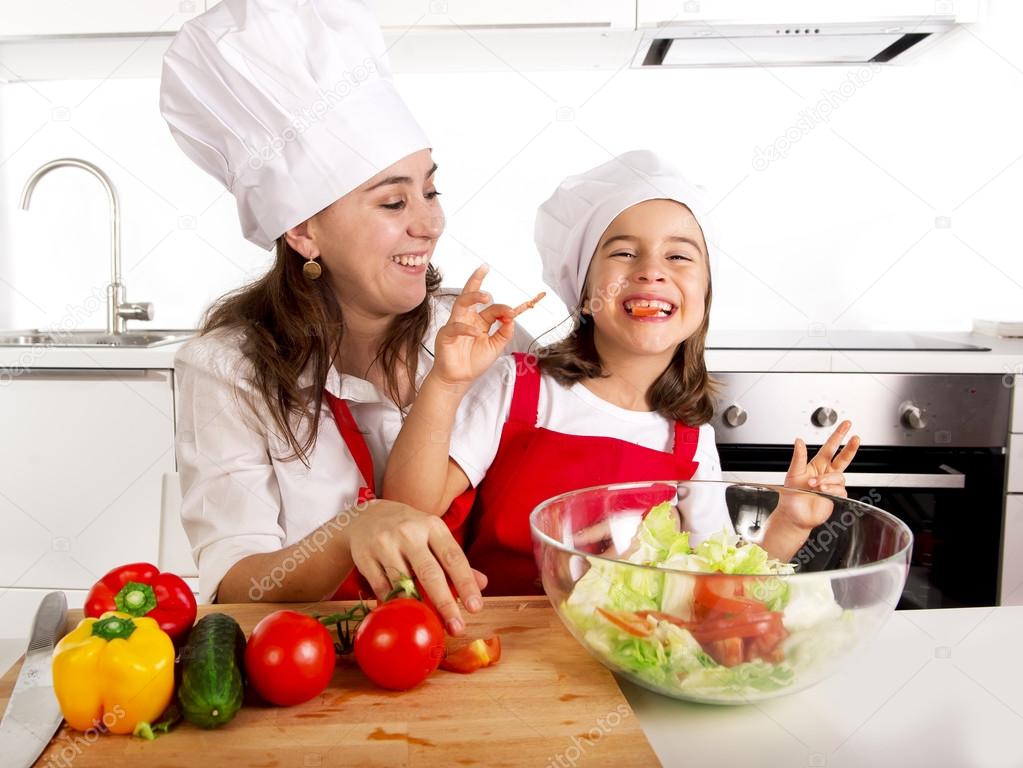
(533, 464)
(356, 586)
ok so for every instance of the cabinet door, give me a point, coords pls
(1014, 484)
(404, 14)
(82, 459)
(96, 17)
(1012, 552)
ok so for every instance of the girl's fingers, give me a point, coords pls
(844, 459)
(431, 577)
(829, 478)
(476, 279)
(452, 331)
(798, 463)
(470, 299)
(495, 312)
(830, 446)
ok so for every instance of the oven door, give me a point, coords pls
(950, 498)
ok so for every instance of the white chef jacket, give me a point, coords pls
(238, 497)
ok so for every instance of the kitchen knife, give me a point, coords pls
(33, 713)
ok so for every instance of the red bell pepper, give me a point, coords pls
(140, 589)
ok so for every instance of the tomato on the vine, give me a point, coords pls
(400, 643)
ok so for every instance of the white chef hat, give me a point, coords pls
(288, 103)
(570, 223)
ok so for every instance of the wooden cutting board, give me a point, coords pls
(547, 703)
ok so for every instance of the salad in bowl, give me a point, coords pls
(715, 620)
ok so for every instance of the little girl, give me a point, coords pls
(626, 397)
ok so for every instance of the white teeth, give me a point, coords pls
(664, 306)
(411, 261)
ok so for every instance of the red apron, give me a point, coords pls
(533, 464)
(355, 586)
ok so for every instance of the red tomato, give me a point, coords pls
(399, 644)
(289, 658)
(475, 655)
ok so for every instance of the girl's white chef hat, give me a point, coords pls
(288, 103)
(570, 223)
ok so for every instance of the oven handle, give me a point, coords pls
(950, 478)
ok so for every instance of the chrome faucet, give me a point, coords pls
(119, 311)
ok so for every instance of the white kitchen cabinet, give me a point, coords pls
(1011, 588)
(1017, 405)
(19, 606)
(96, 17)
(1014, 483)
(402, 14)
(82, 461)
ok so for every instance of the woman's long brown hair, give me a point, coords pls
(291, 324)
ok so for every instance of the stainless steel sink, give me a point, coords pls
(136, 338)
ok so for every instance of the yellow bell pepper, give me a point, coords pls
(114, 672)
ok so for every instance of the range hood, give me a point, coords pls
(731, 44)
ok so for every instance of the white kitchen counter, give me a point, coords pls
(16, 359)
(934, 688)
(1006, 356)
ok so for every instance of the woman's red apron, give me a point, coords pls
(533, 464)
(355, 586)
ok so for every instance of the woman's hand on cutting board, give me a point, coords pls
(392, 539)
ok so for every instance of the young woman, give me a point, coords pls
(625, 398)
(290, 398)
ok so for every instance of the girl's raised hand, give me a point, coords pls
(822, 473)
(465, 348)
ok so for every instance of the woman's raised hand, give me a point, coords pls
(465, 347)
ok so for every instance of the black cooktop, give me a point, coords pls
(840, 339)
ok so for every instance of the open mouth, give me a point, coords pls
(412, 260)
(648, 308)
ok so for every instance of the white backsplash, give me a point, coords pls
(895, 206)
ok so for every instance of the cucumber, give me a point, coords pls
(212, 666)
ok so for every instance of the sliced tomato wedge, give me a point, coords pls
(476, 655)
(726, 652)
(633, 623)
(722, 594)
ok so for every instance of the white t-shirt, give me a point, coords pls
(238, 496)
(575, 410)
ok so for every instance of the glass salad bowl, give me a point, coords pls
(716, 620)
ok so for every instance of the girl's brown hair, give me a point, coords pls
(291, 324)
(684, 391)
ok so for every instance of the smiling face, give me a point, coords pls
(376, 241)
(647, 284)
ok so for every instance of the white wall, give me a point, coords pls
(900, 210)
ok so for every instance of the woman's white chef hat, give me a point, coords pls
(288, 103)
(570, 223)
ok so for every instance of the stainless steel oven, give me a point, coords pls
(933, 454)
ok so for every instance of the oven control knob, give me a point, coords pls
(824, 417)
(912, 416)
(735, 416)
